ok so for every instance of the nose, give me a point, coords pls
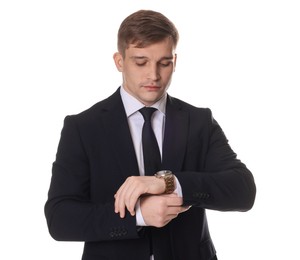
(153, 72)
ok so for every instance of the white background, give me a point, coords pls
(240, 58)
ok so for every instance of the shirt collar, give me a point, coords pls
(131, 104)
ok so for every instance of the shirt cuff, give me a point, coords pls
(178, 189)
(139, 217)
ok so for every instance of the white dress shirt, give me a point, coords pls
(136, 121)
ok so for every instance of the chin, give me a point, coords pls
(150, 102)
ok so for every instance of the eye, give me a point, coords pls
(140, 64)
(165, 64)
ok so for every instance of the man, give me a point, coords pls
(102, 191)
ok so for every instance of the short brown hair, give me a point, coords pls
(143, 28)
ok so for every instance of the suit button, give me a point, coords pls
(118, 232)
(196, 195)
(207, 196)
(200, 195)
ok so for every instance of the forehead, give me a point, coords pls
(161, 49)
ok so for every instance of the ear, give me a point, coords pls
(118, 59)
(175, 60)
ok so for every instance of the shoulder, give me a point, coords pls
(192, 110)
(100, 108)
(96, 116)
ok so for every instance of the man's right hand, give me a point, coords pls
(131, 190)
(159, 210)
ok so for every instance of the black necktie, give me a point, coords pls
(152, 159)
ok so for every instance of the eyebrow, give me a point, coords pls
(144, 57)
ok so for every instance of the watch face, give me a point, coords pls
(163, 173)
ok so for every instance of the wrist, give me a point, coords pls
(169, 180)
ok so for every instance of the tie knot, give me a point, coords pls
(147, 112)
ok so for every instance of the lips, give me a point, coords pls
(151, 87)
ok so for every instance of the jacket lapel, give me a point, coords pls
(175, 137)
(118, 132)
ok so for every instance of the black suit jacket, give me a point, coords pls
(95, 156)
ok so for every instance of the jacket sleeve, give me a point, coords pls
(70, 212)
(223, 182)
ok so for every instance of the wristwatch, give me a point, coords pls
(168, 178)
